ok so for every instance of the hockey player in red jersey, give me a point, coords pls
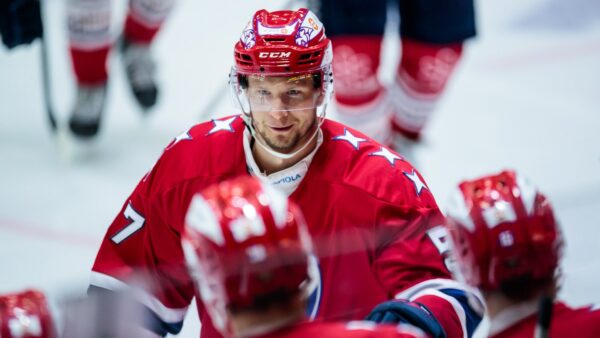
(25, 315)
(248, 249)
(90, 42)
(375, 224)
(509, 244)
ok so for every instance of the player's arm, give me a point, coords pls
(141, 255)
(412, 262)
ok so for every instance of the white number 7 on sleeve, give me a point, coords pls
(137, 222)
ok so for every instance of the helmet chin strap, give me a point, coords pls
(271, 151)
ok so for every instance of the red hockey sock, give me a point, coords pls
(420, 80)
(355, 64)
(137, 32)
(90, 65)
(144, 19)
(425, 68)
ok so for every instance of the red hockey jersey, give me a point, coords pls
(566, 322)
(374, 222)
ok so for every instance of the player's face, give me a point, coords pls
(283, 110)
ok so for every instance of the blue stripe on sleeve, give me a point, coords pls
(473, 318)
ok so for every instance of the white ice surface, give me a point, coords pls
(526, 96)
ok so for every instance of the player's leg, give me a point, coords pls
(432, 34)
(89, 45)
(144, 20)
(356, 28)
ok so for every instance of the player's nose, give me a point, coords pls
(279, 109)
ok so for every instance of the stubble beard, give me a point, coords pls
(286, 145)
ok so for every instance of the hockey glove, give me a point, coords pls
(20, 22)
(403, 311)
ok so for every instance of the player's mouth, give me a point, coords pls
(281, 129)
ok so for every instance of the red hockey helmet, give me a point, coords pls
(282, 42)
(502, 229)
(286, 44)
(244, 241)
(25, 315)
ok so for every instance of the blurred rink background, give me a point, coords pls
(525, 96)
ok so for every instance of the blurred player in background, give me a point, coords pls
(25, 314)
(249, 251)
(90, 42)
(509, 245)
(377, 230)
(432, 34)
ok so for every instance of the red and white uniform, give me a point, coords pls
(354, 329)
(90, 37)
(26, 314)
(372, 218)
(520, 321)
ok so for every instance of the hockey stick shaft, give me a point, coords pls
(544, 317)
(46, 81)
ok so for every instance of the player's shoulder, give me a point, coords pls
(355, 151)
(363, 163)
(209, 148)
(223, 130)
(585, 317)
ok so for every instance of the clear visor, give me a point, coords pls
(289, 92)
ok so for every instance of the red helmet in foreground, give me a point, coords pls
(244, 241)
(503, 229)
(25, 315)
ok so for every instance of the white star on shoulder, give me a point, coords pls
(181, 137)
(388, 155)
(350, 138)
(416, 180)
(222, 125)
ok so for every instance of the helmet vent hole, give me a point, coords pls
(306, 62)
(274, 39)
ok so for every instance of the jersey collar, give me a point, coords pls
(287, 180)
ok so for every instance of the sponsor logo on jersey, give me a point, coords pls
(288, 179)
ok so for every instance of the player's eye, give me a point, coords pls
(263, 92)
